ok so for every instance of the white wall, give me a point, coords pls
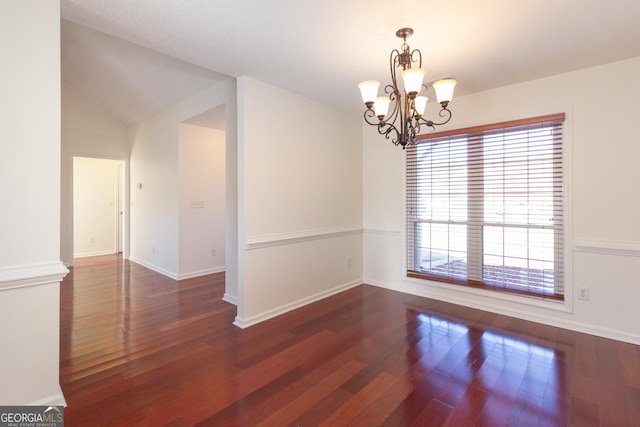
(603, 205)
(155, 206)
(30, 267)
(87, 130)
(95, 208)
(154, 195)
(202, 200)
(300, 200)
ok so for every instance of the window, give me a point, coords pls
(484, 207)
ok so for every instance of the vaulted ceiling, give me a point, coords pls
(138, 58)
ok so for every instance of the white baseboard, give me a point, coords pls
(231, 299)
(53, 400)
(173, 275)
(155, 268)
(199, 273)
(261, 317)
(96, 253)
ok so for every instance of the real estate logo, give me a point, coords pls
(31, 416)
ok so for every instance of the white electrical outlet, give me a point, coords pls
(583, 294)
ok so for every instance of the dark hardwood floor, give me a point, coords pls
(139, 349)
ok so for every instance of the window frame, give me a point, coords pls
(472, 132)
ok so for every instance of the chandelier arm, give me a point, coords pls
(443, 113)
(446, 114)
(370, 114)
(394, 97)
(406, 121)
(419, 60)
(394, 62)
(384, 127)
(388, 130)
(419, 121)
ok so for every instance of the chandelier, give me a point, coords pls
(407, 111)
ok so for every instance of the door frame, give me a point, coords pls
(123, 220)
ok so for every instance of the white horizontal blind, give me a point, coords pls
(484, 207)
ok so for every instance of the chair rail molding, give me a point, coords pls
(381, 229)
(607, 247)
(31, 275)
(278, 239)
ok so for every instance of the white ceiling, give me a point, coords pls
(130, 82)
(322, 49)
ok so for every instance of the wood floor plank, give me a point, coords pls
(261, 403)
(360, 401)
(256, 406)
(425, 390)
(318, 413)
(388, 402)
(140, 349)
(435, 413)
(504, 393)
(307, 400)
(584, 414)
(469, 406)
(525, 410)
(613, 403)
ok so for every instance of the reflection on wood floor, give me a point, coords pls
(140, 349)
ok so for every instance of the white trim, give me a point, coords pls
(597, 330)
(53, 400)
(96, 253)
(436, 287)
(515, 313)
(278, 239)
(381, 229)
(154, 268)
(175, 276)
(32, 275)
(261, 317)
(126, 208)
(231, 299)
(607, 247)
(199, 273)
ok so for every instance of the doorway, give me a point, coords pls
(98, 206)
(202, 195)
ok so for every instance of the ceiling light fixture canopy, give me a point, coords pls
(408, 111)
